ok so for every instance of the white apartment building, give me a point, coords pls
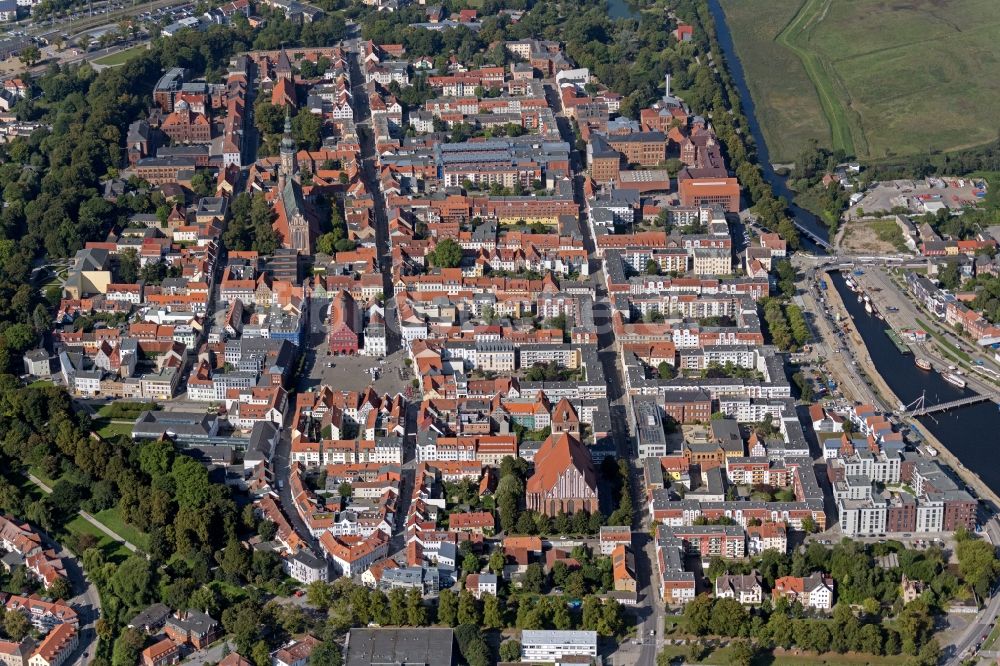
(553, 646)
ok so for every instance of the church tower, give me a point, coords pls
(289, 167)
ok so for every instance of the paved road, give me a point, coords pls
(369, 173)
(648, 614)
(280, 462)
(89, 518)
(87, 604)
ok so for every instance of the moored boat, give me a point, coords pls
(923, 364)
(868, 307)
(952, 378)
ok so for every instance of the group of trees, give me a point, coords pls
(153, 273)
(349, 605)
(977, 562)
(786, 324)
(785, 321)
(785, 625)
(730, 369)
(665, 370)
(335, 240)
(269, 119)
(277, 31)
(250, 226)
(987, 299)
(191, 526)
(826, 201)
(617, 473)
(960, 163)
(867, 595)
(551, 371)
(593, 576)
(786, 278)
(446, 254)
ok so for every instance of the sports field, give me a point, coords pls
(876, 78)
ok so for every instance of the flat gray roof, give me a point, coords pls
(385, 647)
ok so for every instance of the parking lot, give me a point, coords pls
(913, 541)
(917, 195)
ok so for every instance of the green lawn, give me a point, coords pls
(113, 520)
(107, 428)
(29, 490)
(114, 550)
(878, 78)
(41, 476)
(889, 232)
(121, 57)
(795, 37)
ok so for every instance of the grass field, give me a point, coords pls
(121, 57)
(112, 549)
(112, 519)
(787, 105)
(108, 428)
(877, 78)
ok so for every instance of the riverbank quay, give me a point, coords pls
(941, 344)
(859, 350)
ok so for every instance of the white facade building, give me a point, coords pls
(553, 646)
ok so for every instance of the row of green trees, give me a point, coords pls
(350, 605)
(770, 627)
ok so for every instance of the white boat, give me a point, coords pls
(954, 379)
(924, 364)
(868, 307)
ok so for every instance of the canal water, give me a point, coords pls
(971, 433)
(778, 183)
